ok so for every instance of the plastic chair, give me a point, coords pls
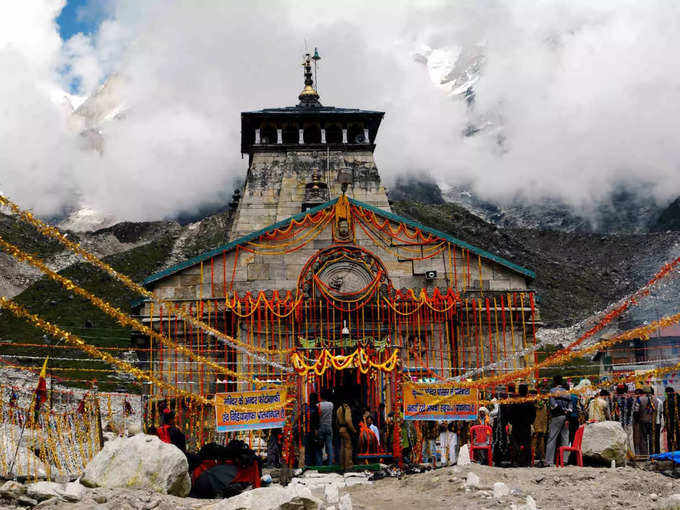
(480, 439)
(575, 447)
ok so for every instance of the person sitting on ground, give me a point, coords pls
(169, 433)
(225, 471)
(598, 408)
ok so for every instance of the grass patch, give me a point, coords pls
(53, 303)
(24, 236)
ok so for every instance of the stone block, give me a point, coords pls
(277, 271)
(189, 279)
(284, 284)
(499, 284)
(258, 272)
(293, 271)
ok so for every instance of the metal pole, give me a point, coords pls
(21, 435)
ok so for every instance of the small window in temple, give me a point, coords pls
(333, 134)
(313, 134)
(355, 134)
(291, 134)
(268, 134)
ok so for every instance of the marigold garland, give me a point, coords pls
(78, 342)
(359, 359)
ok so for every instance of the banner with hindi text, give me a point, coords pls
(439, 402)
(250, 410)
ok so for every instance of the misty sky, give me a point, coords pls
(575, 97)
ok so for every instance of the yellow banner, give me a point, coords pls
(439, 402)
(250, 410)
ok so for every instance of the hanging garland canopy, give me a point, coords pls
(379, 344)
(359, 359)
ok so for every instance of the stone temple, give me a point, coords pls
(317, 263)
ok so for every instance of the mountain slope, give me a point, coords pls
(577, 274)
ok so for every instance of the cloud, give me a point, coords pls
(576, 97)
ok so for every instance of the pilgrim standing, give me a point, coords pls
(671, 422)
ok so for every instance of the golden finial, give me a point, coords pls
(309, 96)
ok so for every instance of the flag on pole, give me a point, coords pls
(41, 390)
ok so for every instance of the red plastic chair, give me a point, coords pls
(575, 447)
(480, 439)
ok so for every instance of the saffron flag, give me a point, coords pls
(41, 390)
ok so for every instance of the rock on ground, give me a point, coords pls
(605, 441)
(464, 455)
(139, 462)
(12, 490)
(346, 502)
(271, 498)
(472, 481)
(672, 502)
(500, 490)
(41, 491)
(331, 493)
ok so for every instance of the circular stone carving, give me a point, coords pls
(343, 271)
(345, 277)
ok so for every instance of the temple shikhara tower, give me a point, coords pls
(322, 287)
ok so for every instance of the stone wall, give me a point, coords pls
(254, 272)
(275, 185)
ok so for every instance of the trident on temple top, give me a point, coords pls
(309, 97)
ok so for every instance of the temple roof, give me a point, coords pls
(380, 212)
(315, 110)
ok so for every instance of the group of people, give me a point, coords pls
(525, 432)
(337, 433)
(217, 471)
(535, 428)
(650, 422)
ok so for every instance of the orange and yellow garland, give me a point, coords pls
(359, 359)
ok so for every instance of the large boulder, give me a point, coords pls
(605, 441)
(293, 497)
(139, 462)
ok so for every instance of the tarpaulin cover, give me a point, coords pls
(674, 456)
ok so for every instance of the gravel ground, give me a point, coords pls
(568, 488)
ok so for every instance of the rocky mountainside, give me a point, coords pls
(623, 211)
(135, 249)
(577, 274)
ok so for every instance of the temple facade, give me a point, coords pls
(319, 269)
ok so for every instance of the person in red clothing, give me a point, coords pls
(169, 433)
(225, 471)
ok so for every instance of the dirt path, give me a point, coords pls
(567, 488)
